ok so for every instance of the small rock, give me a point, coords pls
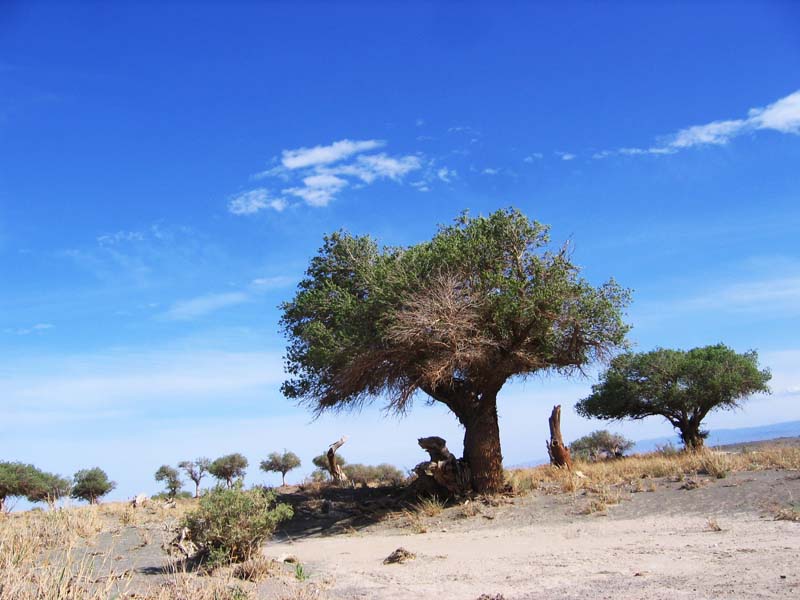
(400, 555)
(288, 558)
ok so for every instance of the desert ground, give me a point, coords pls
(659, 527)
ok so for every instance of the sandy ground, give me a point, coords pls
(651, 545)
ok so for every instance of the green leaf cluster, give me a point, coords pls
(229, 467)
(91, 484)
(600, 444)
(484, 300)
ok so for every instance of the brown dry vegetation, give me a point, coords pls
(632, 470)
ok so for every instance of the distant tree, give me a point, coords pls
(378, 474)
(17, 480)
(322, 472)
(600, 444)
(171, 478)
(681, 386)
(280, 463)
(483, 302)
(229, 467)
(91, 484)
(49, 487)
(195, 470)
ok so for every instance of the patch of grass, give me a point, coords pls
(300, 573)
(256, 569)
(430, 507)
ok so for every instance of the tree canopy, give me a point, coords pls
(600, 444)
(485, 300)
(681, 386)
(91, 484)
(195, 470)
(229, 467)
(281, 463)
(171, 479)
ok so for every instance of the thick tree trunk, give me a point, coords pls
(196, 489)
(692, 438)
(443, 475)
(558, 451)
(482, 447)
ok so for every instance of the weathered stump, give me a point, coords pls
(444, 475)
(337, 474)
(556, 449)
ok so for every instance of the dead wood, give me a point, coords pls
(337, 474)
(443, 475)
(556, 449)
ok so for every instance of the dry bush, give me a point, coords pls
(430, 507)
(788, 513)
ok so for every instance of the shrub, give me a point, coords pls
(600, 444)
(380, 474)
(231, 524)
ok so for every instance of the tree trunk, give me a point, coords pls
(558, 451)
(692, 438)
(443, 476)
(482, 447)
(196, 489)
(283, 479)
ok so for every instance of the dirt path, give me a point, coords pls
(653, 545)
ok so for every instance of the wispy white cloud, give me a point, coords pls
(566, 155)
(782, 116)
(781, 294)
(38, 328)
(533, 157)
(324, 155)
(490, 171)
(200, 306)
(446, 175)
(253, 201)
(120, 236)
(271, 283)
(317, 175)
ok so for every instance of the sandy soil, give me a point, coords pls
(652, 545)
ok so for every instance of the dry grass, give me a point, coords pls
(627, 471)
(788, 513)
(47, 556)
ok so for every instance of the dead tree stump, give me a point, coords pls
(337, 474)
(443, 475)
(558, 451)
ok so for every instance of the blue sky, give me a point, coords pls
(166, 172)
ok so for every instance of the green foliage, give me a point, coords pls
(300, 572)
(484, 301)
(229, 467)
(48, 487)
(91, 484)
(230, 524)
(681, 386)
(383, 474)
(280, 463)
(321, 461)
(524, 310)
(171, 478)
(24, 480)
(600, 444)
(183, 495)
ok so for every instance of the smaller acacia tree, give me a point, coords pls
(681, 386)
(171, 478)
(229, 467)
(91, 484)
(322, 472)
(195, 470)
(19, 480)
(599, 444)
(280, 463)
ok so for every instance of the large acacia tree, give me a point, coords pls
(483, 301)
(681, 386)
